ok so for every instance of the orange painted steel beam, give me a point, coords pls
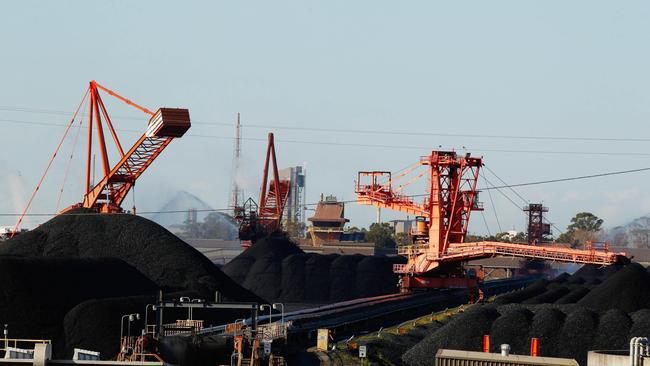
(108, 194)
(125, 100)
(273, 195)
(421, 260)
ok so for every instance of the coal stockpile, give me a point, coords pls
(549, 296)
(502, 330)
(342, 271)
(577, 334)
(72, 278)
(37, 293)
(640, 323)
(613, 328)
(464, 332)
(544, 326)
(390, 347)
(628, 289)
(601, 309)
(162, 257)
(576, 293)
(94, 324)
(276, 269)
(535, 289)
(317, 277)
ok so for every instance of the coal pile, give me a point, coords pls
(276, 269)
(544, 326)
(613, 329)
(502, 330)
(640, 323)
(100, 318)
(576, 293)
(162, 257)
(464, 332)
(72, 278)
(595, 308)
(37, 293)
(627, 290)
(577, 335)
(390, 347)
(535, 289)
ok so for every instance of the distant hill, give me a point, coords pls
(635, 234)
(181, 201)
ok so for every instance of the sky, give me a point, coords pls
(345, 86)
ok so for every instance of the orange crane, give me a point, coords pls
(108, 193)
(435, 259)
(257, 221)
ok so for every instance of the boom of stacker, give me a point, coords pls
(107, 194)
(257, 221)
(438, 251)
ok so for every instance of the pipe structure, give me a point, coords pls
(128, 315)
(270, 311)
(281, 306)
(505, 350)
(6, 334)
(638, 348)
(146, 317)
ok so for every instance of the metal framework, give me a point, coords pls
(107, 195)
(443, 218)
(258, 221)
(451, 195)
(538, 230)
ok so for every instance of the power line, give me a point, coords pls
(360, 145)
(573, 178)
(366, 131)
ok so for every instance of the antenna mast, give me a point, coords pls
(236, 192)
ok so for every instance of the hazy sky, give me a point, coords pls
(422, 68)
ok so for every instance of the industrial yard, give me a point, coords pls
(335, 183)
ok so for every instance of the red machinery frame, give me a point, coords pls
(435, 258)
(258, 221)
(107, 195)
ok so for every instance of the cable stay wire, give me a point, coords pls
(494, 208)
(498, 189)
(526, 201)
(49, 165)
(507, 185)
(487, 227)
(69, 164)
